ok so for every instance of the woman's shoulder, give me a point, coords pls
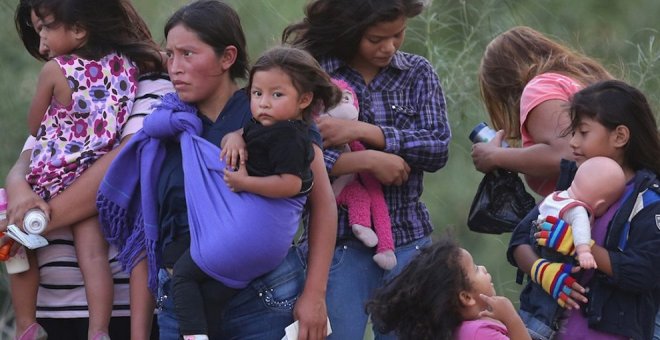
(544, 87)
(553, 82)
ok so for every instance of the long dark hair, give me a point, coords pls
(217, 25)
(516, 56)
(111, 25)
(335, 27)
(306, 75)
(613, 103)
(423, 301)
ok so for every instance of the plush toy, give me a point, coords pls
(362, 193)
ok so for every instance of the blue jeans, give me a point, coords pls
(656, 331)
(353, 278)
(260, 311)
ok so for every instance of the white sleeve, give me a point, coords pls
(29, 143)
(151, 87)
(578, 218)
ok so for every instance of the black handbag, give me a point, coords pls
(500, 204)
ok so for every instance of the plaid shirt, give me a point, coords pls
(406, 101)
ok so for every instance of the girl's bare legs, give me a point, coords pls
(92, 254)
(142, 302)
(24, 287)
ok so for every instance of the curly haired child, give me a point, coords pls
(443, 294)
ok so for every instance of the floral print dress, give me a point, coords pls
(70, 138)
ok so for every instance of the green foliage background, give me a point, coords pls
(452, 34)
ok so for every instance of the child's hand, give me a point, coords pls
(233, 150)
(499, 308)
(556, 234)
(502, 310)
(555, 278)
(234, 179)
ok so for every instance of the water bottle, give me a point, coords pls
(482, 133)
(35, 221)
(19, 262)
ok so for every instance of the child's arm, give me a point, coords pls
(50, 77)
(501, 309)
(275, 186)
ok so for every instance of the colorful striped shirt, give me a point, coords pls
(406, 101)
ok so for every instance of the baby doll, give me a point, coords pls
(598, 183)
(361, 193)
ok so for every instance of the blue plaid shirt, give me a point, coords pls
(406, 101)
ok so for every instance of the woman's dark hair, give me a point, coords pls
(613, 103)
(111, 25)
(306, 75)
(423, 301)
(217, 25)
(335, 27)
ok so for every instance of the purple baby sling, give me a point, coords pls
(235, 237)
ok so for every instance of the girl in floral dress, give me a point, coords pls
(84, 95)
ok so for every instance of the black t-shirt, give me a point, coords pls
(282, 148)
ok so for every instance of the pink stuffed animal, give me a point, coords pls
(362, 193)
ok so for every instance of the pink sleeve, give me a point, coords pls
(547, 86)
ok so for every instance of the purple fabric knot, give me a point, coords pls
(170, 118)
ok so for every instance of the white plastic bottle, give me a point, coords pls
(19, 262)
(35, 221)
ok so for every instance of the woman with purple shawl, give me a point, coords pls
(166, 180)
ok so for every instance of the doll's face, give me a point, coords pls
(346, 108)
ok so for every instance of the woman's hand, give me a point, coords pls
(336, 131)
(484, 154)
(233, 150)
(389, 169)
(21, 199)
(312, 316)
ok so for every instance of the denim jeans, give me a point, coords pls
(260, 311)
(656, 331)
(353, 278)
